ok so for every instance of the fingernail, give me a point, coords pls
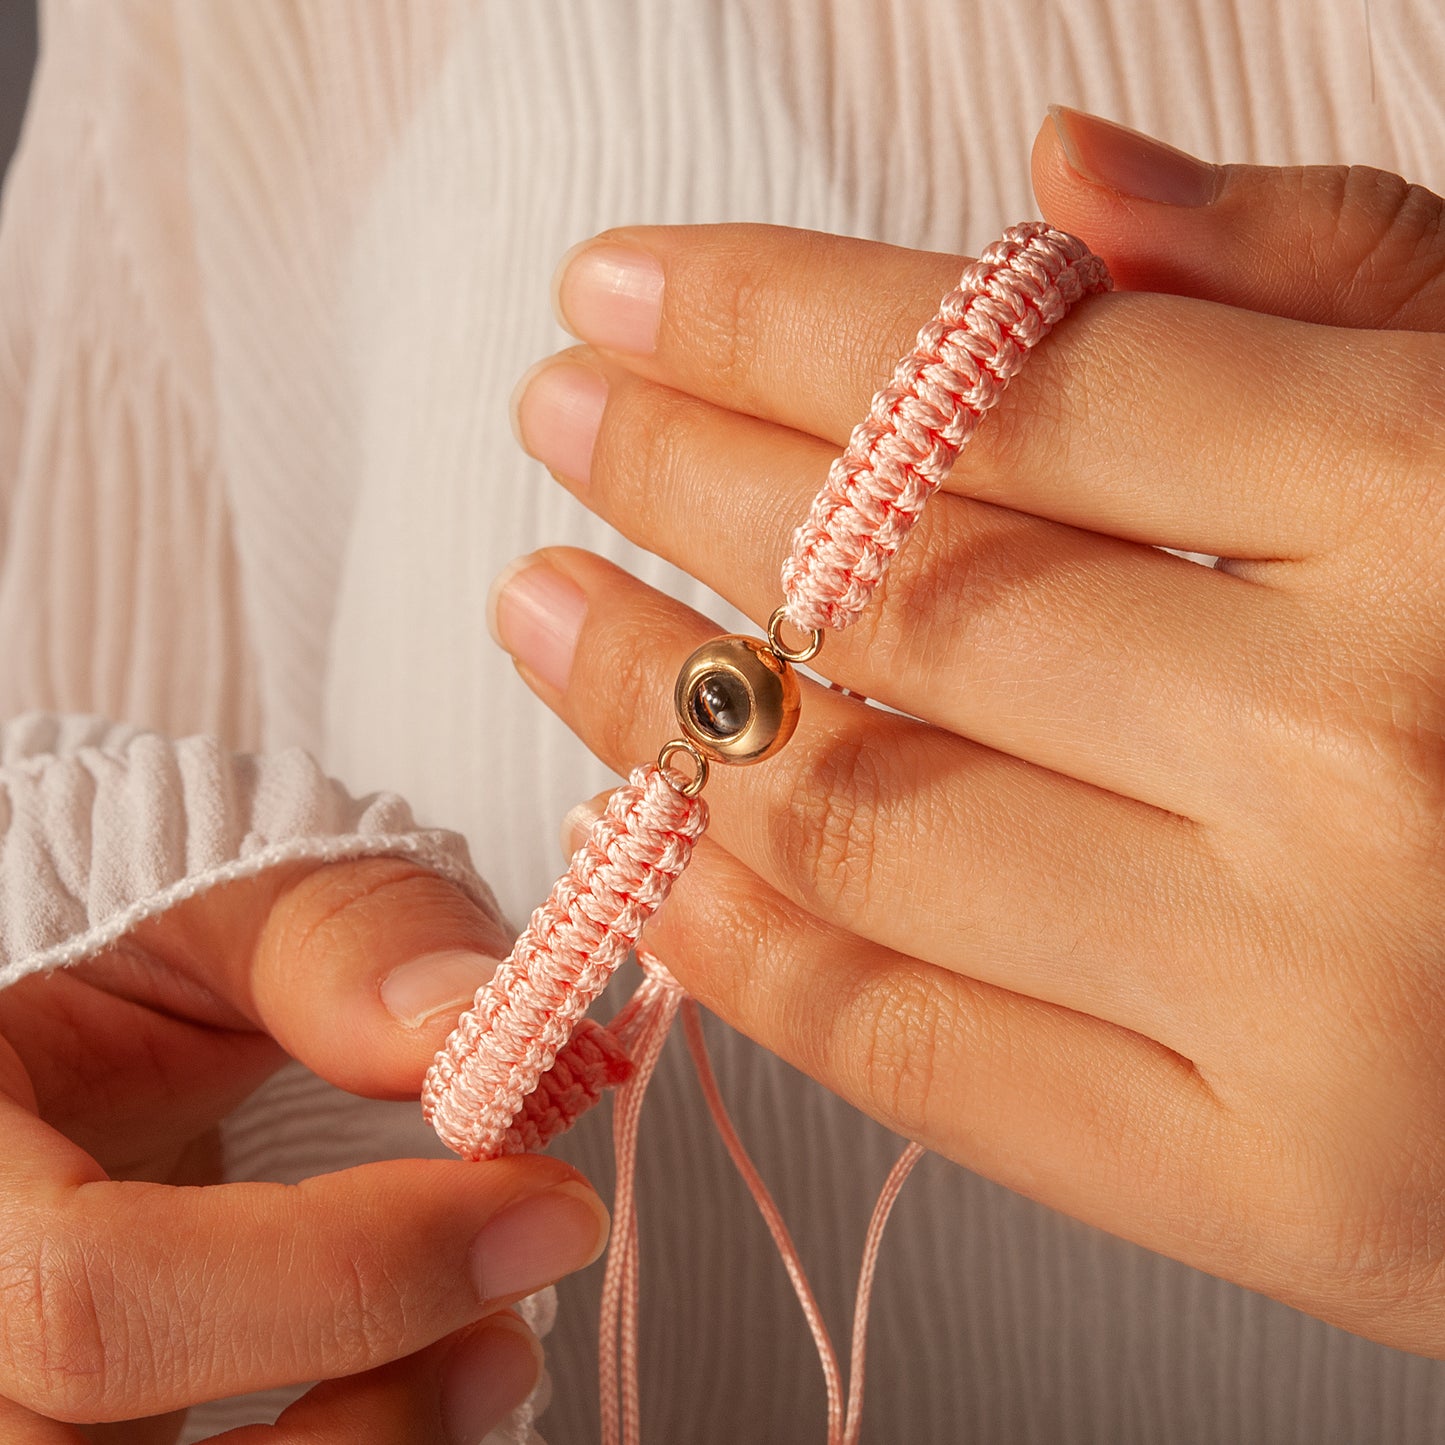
(610, 295)
(537, 1241)
(536, 614)
(556, 410)
(1131, 163)
(487, 1375)
(414, 991)
(575, 826)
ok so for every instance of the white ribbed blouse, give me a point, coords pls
(268, 272)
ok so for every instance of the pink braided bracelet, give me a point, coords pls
(523, 1063)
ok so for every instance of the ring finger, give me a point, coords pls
(1109, 1126)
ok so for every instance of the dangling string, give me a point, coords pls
(642, 1027)
(842, 1430)
(887, 1197)
(772, 1217)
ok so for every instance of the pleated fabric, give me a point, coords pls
(268, 272)
(103, 825)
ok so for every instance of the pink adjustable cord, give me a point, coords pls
(523, 1063)
(1005, 303)
(842, 1429)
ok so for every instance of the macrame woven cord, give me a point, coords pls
(482, 1092)
(1005, 303)
(523, 1063)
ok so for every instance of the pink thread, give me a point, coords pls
(872, 1244)
(772, 1217)
(643, 1025)
(1005, 303)
(519, 1022)
(842, 1429)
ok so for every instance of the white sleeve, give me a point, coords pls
(103, 825)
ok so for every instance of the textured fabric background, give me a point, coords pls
(268, 272)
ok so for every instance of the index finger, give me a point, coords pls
(123, 1299)
(358, 968)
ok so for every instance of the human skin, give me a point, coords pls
(127, 1292)
(1139, 908)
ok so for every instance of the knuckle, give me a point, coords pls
(1363, 1163)
(647, 453)
(340, 906)
(942, 565)
(1381, 1244)
(626, 688)
(735, 942)
(1402, 234)
(893, 1036)
(824, 833)
(1379, 229)
(1402, 441)
(370, 1319)
(734, 321)
(55, 1354)
(989, 595)
(1072, 387)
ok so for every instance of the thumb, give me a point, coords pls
(1343, 245)
(364, 968)
(359, 969)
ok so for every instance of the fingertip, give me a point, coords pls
(514, 402)
(501, 582)
(538, 1239)
(1049, 153)
(1049, 139)
(364, 968)
(576, 824)
(559, 274)
(1065, 199)
(1131, 164)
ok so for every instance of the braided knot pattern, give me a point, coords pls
(592, 1060)
(1005, 303)
(522, 1019)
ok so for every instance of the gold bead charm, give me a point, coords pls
(737, 700)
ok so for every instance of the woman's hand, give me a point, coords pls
(1137, 903)
(125, 1296)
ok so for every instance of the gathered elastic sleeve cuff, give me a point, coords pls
(104, 825)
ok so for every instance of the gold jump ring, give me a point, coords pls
(775, 639)
(698, 782)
